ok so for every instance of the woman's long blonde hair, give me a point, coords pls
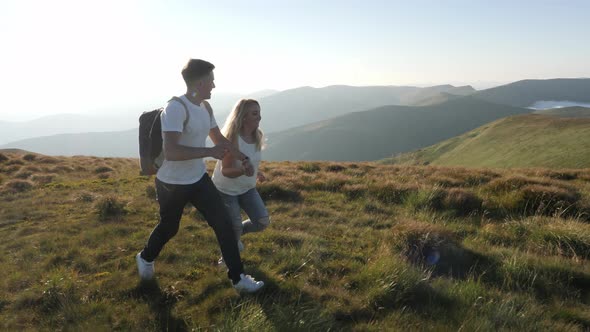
(233, 123)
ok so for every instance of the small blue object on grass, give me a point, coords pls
(433, 257)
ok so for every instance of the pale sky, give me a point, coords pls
(76, 56)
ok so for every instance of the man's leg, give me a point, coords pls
(233, 209)
(206, 199)
(172, 199)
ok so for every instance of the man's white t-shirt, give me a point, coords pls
(194, 135)
(241, 184)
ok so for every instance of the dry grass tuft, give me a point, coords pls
(354, 191)
(417, 241)
(18, 186)
(29, 157)
(309, 167)
(23, 174)
(150, 191)
(15, 162)
(546, 200)
(463, 202)
(48, 160)
(391, 192)
(335, 168)
(273, 191)
(103, 169)
(43, 178)
(61, 169)
(110, 207)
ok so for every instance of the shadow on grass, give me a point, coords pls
(289, 308)
(161, 303)
(544, 282)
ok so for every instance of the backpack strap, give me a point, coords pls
(185, 109)
(208, 107)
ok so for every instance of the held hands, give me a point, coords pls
(261, 177)
(248, 168)
(219, 151)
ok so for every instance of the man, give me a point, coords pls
(183, 177)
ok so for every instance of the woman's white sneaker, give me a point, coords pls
(248, 284)
(145, 268)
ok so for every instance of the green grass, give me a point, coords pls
(517, 141)
(347, 249)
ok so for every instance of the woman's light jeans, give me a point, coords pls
(252, 204)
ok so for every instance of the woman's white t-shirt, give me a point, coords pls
(194, 135)
(240, 184)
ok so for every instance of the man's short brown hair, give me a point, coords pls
(195, 69)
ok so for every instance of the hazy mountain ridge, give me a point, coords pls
(100, 144)
(104, 120)
(300, 106)
(65, 124)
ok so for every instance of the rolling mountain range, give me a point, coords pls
(384, 131)
(353, 123)
(306, 105)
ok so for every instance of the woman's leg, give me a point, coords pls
(252, 203)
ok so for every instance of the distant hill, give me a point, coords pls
(104, 144)
(436, 99)
(105, 120)
(14, 151)
(384, 131)
(567, 112)
(296, 107)
(519, 141)
(223, 103)
(525, 93)
(66, 123)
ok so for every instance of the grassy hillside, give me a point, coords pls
(385, 131)
(519, 141)
(360, 247)
(525, 93)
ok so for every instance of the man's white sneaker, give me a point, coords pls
(248, 284)
(145, 268)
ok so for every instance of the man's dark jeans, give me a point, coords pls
(204, 196)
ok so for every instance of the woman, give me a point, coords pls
(237, 190)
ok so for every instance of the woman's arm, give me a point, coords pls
(218, 139)
(229, 168)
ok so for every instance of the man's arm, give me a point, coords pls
(173, 151)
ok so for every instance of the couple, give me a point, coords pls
(183, 176)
